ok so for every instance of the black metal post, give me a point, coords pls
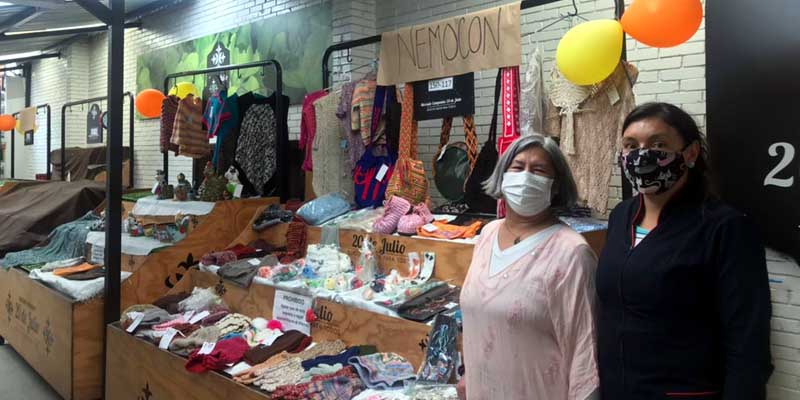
(13, 147)
(132, 161)
(26, 72)
(116, 43)
(49, 133)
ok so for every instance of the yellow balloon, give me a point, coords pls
(590, 52)
(183, 89)
(18, 127)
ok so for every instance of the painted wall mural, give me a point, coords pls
(297, 40)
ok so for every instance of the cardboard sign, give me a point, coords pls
(482, 40)
(446, 97)
(290, 309)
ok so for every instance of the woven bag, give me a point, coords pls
(408, 179)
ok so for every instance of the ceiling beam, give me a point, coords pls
(61, 44)
(32, 58)
(150, 8)
(6, 37)
(19, 18)
(96, 8)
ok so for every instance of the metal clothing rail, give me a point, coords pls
(619, 8)
(64, 134)
(281, 155)
(13, 136)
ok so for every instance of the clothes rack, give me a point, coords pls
(45, 107)
(64, 108)
(282, 157)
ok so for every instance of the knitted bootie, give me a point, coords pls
(408, 224)
(395, 209)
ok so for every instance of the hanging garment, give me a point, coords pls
(355, 146)
(331, 172)
(279, 182)
(363, 115)
(308, 127)
(27, 119)
(227, 135)
(510, 96)
(590, 133)
(169, 108)
(256, 150)
(374, 170)
(188, 133)
(215, 115)
(532, 97)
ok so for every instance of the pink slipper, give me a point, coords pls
(395, 209)
(408, 224)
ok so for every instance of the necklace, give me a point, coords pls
(517, 238)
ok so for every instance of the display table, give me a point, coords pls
(35, 315)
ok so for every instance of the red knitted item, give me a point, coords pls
(224, 353)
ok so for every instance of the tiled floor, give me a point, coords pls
(18, 381)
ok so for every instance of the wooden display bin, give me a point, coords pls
(136, 367)
(62, 339)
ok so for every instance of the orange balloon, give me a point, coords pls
(148, 103)
(663, 23)
(7, 122)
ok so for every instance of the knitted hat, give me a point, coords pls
(289, 341)
(200, 299)
(225, 352)
(184, 346)
(395, 208)
(170, 302)
(233, 323)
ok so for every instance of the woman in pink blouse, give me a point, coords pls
(528, 298)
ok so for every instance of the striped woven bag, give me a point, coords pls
(408, 180)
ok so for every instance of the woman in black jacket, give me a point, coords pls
(684, 301)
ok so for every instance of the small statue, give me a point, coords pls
(213, 186)
(163, 190)
(233, 181)
(183, 188)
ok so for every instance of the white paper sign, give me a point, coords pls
(155, 188)
(207, 348)
(137, 318)
(98, 255)
(237, 191)
(199, 316)
(430, 227)
(188, 315)
(167, 338)
(382, 173)
(436, 85)
(290, 309)
(254, 261)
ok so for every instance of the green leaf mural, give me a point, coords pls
(297, 40)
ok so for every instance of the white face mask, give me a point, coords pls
(526, 193)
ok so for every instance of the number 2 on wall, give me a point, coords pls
(788, 156)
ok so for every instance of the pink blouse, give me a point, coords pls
(529, 330)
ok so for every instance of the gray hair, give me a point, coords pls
(565, 192)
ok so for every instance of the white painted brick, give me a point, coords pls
(682, 73)
(656, 88)
(693, 84)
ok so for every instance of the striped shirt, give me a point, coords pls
(641, 233)
(188, 133)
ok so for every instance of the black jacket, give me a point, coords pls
(686, 313)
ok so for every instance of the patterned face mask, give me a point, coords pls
(652, 171)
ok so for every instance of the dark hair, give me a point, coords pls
(699, 182)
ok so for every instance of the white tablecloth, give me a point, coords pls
(153, 207)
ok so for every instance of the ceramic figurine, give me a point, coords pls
(183, 188)
(213, 186)
(163, 190)
(232, 175)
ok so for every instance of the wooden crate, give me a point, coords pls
(59, 338)
(38, 315)
(136, 367)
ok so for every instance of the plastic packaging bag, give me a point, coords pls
(323, 209)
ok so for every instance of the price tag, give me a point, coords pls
(237, 368)
(343, 143)
(442, 153)
(188, 315)
(382, 173)
(613, 95)
(207, 348)
(199, 316)
(137, 318)
(430, 228)
(451, 305)
(155, 187)
(435, 85)
(167, 338)
(237, 191)
(254, 261)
